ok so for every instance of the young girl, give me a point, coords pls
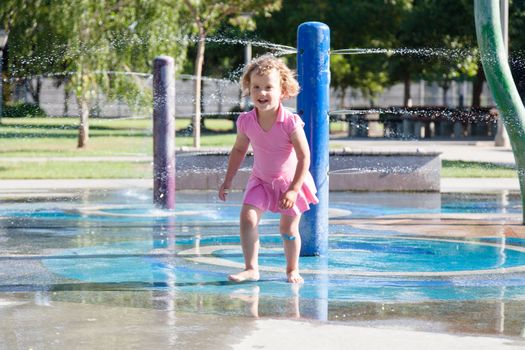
(280, 180)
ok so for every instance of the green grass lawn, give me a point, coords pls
(75, 170)
(456, 168)
(57, 137)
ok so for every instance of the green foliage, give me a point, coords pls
(340, 71)
(353, 24)
(210, 13)
(86, 37)
(76, 170)
(386, 24)
(109, 36)
(447, 28)
(34, 44)
(87, 44)
(22, 110)
(516, 24)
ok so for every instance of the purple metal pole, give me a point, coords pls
(164, 132)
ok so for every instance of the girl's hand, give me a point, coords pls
(288, 199)
(223, 191)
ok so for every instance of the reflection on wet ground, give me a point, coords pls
(452, 263)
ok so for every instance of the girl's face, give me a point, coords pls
(265, 91)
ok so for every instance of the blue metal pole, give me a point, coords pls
(164, 132)
(313, 70)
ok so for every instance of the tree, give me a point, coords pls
(89, 40)
(31, 35)
(353, 24)
(340, 73)
(447, 40)
(122, 36)
(517, 43)
(207, 16)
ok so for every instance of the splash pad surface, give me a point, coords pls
(404, 250)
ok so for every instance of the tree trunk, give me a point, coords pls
(343, 95)
(7, 86)
(407, 97)
(34, 90)
(477, 87)
(83, 128)
(66, 102)
(199, 60)
(445, 87)
(38, 90)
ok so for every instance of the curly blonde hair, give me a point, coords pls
(263, 65)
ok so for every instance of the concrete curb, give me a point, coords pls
(479, 184)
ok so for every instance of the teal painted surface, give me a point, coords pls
(134, 265)
(73, 245)
(499, 78)
(393, 254)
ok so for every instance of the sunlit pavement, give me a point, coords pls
(91, 325)
(464, 150)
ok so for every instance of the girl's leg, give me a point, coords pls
(250, 217)
(289, 227)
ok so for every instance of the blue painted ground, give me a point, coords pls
(107, 242)
(136, 265)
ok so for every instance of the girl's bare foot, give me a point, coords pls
(294, 277)
(244, 276)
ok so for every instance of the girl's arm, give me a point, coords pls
(237, 155)
(300, 145)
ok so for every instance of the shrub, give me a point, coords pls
(22, 110)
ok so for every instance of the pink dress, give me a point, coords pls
(274, 163)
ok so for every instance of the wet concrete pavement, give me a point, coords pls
(48, 324)
(43, 308)
(78, 272)
(469, 151)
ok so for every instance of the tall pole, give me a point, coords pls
(1, 83)
(313, 68)
(245, 102)
(502, 137)
(499, 78)
(3, 42)
(164, 132)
